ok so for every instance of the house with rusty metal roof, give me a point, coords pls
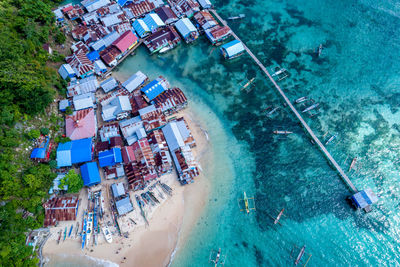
(138, 9)
(80, 63)
(205, 20)
(184, 7)
(162, 157)
(170, 101)
(59, 209)
(109, 55)
(163, 40)
(166, 14)
(152, 118)
(217, 34)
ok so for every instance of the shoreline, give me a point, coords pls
(170, 223)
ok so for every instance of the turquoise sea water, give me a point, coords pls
(356, 82)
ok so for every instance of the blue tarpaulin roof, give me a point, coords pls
(93, 56)
(110, 157)
(38, 153)
(73, 152)
(90, 174)
(153, 89)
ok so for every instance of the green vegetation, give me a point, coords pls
(26, 88)
(73, 180)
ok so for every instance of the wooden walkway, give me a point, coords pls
(289, 103)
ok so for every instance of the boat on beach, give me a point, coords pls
(107, 234)
(89, 227)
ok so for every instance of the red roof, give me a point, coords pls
(125, 41)
(81, 125)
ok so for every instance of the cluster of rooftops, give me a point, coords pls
(134, 138)
(106, 31)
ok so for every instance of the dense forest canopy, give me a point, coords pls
(27, 87)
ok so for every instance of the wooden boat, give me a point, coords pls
(65, 232)
(279, 216)
(330, 139)
(77, 229)
(237, 17)
(301, 99)
(59, 237)
(300, 255)
(248, 203)
(248, 83)
(272, 111)
(89, 227)
(282, 132)
(353, 162)
(311, 107)
(84, 230)
(70, 230)
(107, 234)
(164, 49)
(319, 51)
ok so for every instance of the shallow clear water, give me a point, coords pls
(356, 82)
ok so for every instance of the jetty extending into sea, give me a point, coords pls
(299, 117)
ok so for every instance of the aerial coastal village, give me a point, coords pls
(127, 140)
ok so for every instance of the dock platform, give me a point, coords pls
(299, 117)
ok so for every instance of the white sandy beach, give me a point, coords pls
(170, 222)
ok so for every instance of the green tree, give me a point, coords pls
(68, 110)
(60, 37)
(44, 131)
(33, 134)
(73, 180)
(53, 164)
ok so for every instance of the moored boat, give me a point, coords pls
(301, 99)
(311, 107)
(282, 132)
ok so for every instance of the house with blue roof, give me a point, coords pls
(141, 28)
(90, 174)
(110, 157)
(187, 30)
(93, 56)
(124, 2)
(73, 152)
(154, 88)
(42, 152)
(153, 22)
(66, 71)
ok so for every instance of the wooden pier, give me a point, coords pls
(288, 102)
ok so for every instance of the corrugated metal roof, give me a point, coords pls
(73, 152)
(110, 157)
(90, 174)
(185, 27)
(66, 71)
(141, 27)
(64, 103)
(173, 136)
(126, 40)
(146, 110)
(153, 89)
(83, 101)
(134, 81)
(109, 84)
(99, 66)
(111, 19)
(124, 206)
(153, 21)
(91, 5)
(233, 48)
(116, 106)
(205, 3)
(118, 189)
